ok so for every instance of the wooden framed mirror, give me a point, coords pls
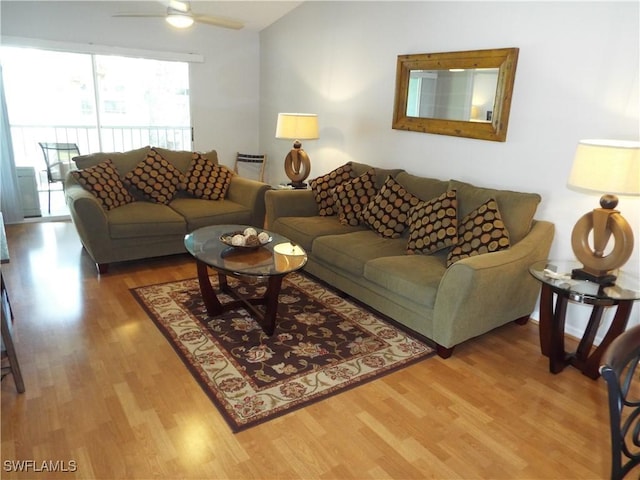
(464, 94)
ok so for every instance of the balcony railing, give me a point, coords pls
(91, 139)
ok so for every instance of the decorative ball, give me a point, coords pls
(263, 237)
(250, 231)
(251, 241)
(237, 240)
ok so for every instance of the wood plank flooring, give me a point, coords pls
(107, 397)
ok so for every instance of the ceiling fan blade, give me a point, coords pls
(147, 15)
(219, 21)
(180, 6)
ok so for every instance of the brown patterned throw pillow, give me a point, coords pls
(352, 196)
(323, 188)
(154, 178)
(433, 225)
(388, 213)
(206, 179)
(103, 181)
(482, 231)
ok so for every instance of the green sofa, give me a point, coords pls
(448, 305)
(144, 229)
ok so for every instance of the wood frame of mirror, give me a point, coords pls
(505, 59)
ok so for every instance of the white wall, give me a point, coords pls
(577, 77)
(224, 88)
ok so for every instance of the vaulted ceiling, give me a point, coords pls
(255, 15)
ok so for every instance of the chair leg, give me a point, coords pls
(49, 199)
(14, 366)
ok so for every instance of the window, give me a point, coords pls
(99, 102)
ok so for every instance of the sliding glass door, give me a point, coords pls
(99, 102)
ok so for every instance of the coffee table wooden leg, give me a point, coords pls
(206, 290)
(271, 310)
(223, 284)
(214, 307)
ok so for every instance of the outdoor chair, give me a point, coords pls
(57, 157)
(622, 375)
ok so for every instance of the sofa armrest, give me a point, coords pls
(289, 203)
(249, 193)
(88, 216)
(478, 294)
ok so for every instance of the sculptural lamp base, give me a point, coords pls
(297, 166)
(604, 222)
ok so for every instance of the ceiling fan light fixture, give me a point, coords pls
(179, 20)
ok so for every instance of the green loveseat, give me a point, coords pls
(144, 229)
(448, 305)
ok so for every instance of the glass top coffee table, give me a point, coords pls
(268, 262)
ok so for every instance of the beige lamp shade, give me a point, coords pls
(297, 126)
(610, 167)
(606, 166)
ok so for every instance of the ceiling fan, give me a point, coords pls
(179, 15)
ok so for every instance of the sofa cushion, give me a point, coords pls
(381, 173)
(351, 251)
(206, 179)
(124, 162)
(201, 213)
(154, 178)
(481, 231)
(304, 230)
(103, 181)
(424, 188)
(352, 196)
(517, 208)
(415, 278)
(433, 225)
(388, 212)
(181, 159)
(145, 219)
(323, 188)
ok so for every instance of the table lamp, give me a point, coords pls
(610, 167)
(297, 126)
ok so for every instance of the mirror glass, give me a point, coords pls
(466, 94)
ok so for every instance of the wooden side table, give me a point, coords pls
(556, 280)
(8, 348)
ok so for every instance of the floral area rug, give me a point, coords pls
(322, 345)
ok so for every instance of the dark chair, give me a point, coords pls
(622, 375)
(251, 158)
(57, 157)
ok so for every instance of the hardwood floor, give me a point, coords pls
(107, 397)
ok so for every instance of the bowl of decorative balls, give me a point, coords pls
(247, 239)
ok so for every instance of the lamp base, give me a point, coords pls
(604, 279)
(297, 166)
(298, 185)
(603, 223)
